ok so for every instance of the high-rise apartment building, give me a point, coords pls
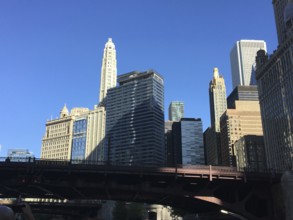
(242, 58)
(176, 110)
(218, 105)
(135, 120)
(109, 69)
(245, 119)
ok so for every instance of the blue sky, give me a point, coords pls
(51, 53)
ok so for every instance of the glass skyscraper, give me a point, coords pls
(135, 120)
(176, 111)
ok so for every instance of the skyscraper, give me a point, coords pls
(274, 75)
(176, 110)
(135, 120)
(218, 105)
(109, 69)
(242, 58)
(188, 142)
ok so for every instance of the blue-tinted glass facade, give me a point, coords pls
(79, 139)
(135, 120)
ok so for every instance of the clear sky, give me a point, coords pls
(51, 53)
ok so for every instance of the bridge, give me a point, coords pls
(193, 188)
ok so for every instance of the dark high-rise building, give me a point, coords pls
(188, 141)
(274, 77)
(135, 120)
(242, 93)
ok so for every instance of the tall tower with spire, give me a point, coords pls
(109, 69)
(218, 105)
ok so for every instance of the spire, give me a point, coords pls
(64, 112)
(216, 72)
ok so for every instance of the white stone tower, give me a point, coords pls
(109, 69)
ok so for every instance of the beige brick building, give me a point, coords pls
(245, 119)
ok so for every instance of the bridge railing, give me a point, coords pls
(89, 163)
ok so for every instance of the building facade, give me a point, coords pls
(188, 142)
(96, 123)
(242, 59)
(245, 119)
(57, 141)
(135, 120)
(176, 110)
(79, 137)
(251, 153)
(274, 76)
(280, 19)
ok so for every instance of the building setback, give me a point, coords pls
(135, 120)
